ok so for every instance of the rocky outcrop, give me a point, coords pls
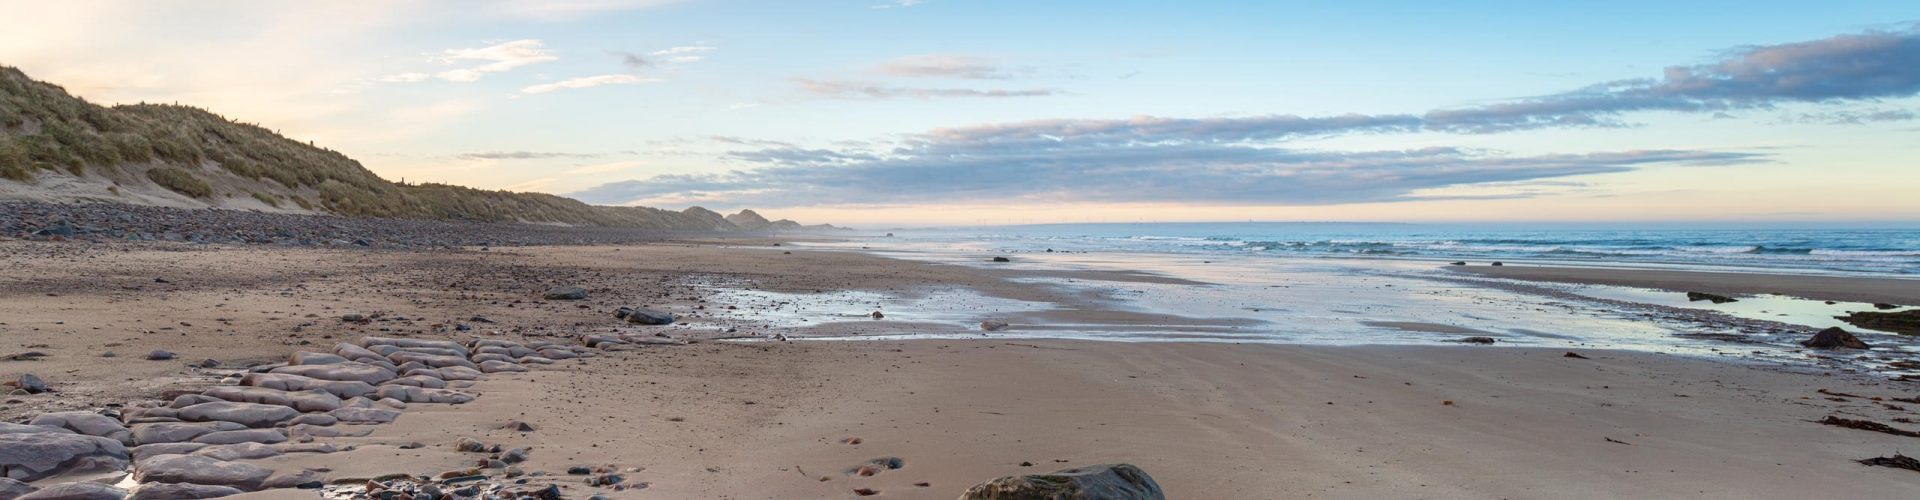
(200, 470)
(77, 491)
(1106, 482)
(91, 424)
(1715, 298)
(1903, 322)
(35, 456)
(1834, 338)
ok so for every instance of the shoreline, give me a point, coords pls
(766, 419)
(1814, 287)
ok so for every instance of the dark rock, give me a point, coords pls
(1903, 322)
(1496, 264)
(993, 326)
(159, 355)
(1478, 340)
(1717, 299)
(1106, 482)
(644, 316)
(1833, 338)
(11, 489)
(1002, 259)
(518, 426)
(1884, 306)
(30, 383)
(566, 293)
(1459, 263)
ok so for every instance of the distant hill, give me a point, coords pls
(57, 147)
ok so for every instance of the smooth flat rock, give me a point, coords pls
(353, 415)
(1107, 482)
(421, 381)
(153, 450)
(320, 419)
(76, 491)
(181, 491)
(34, 456)
(354, 352)
(248, 414)
(146, 434)
(11, 489)
(485, 357)
(313, 400)
(304, 479)
(268, 436)
(501, 366)
(349, 372)
(13, 428)
(315, 358)
(455, 347)
(330, 432)
(200, 470)
(293, 383)
(565, 293)
(89, 423)
(239, 451)
(410, 394)
(186, 400)
(432, 360)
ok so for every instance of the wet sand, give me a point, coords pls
(768, 419)
(1839, 288)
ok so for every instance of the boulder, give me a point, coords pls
(501, 366)
(200, 470)
(1715, 298)
(186, 400)
(566, 293)
(304, 401)
(89, 423)
(320, 419)
(422, 381)
(315, 358)
(13, 428)
(146, 434)
(432, 360)
(30, 383)
(1834, 338)
(291, 383)
(159, 355)
(182, 491)
(11, 489)
(644, 316)
(239, 451)
(1106, 482)
(1904, 322)
(153, 450)
(485, 357)
(267, 436)
(354, 415)
(36, 456)
(353, 352)
(248, 414)
(76, 491)
(410, 394)
(345, 372)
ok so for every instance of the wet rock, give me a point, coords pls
(146, 434)
(1715, 298)
(248, 414)
(76, 491)
(1884, 306)
(1903, 322)
(1002, 259)
(1459, 263)
(34, 456)
(1497, 264)
(1478, 340)
(1834, 338)
(1108, 482)
(566, 293)
(267, 436)
(89, 423)
(170, 491)
(200, 470)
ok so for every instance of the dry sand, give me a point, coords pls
(769, 419)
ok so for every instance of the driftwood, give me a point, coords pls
(1868, 425)
(1896, 461)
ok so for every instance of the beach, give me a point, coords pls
(737, 414)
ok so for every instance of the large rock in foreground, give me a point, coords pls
(1833, 338)
(201, 470)
(1102, 482)
(77, 491)
(32, 457)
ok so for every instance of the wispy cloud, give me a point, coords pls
(524, 155)
(493, 58)
(895, 4)
(942, 66)
(587, 82)
(844, 89)
(632, 61)
(684, 54)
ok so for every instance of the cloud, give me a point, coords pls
(898, 4)
(1858, 117)
(587, 82)
(842, 89)
(555, 10)
(942, 66)
(606, 168)
(496, 58)
(633, 61)
(1867, 66)
(406, 78)
(682, 54)
(524, 155)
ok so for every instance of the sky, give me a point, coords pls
(966, 112)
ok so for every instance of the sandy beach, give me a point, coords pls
(758, 418)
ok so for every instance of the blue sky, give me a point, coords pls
(972, 111)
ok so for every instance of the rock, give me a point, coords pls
(1106, 482)
(1903, 322)
(11, 489)
(566, 293)
(993, 326)
(159, 355)
(294, 383)
(1717, 299)
(239, 451)
(1496, 264)
(320, 419)
(1459, 263)
(146, 434)
(344, 372)
(432, 360)
(411, 394)
(30, 383)
(266, 436)
(514, 456)
(186, 400)
(200, 470)
(419, 381)
(501, 366)
(89, 423)
(31, 457)
(518, 426)
(1478, 340)
(153, 450)
(304, 401)
(248, 414)
(13, 428)
(353, 415)
(305, 479)
(470, 445)
(1002, 259)
(877, 315)
(644, 316)
(209, 363)
(1884, 306)
(315, 358)
(1833, 338)
(76, 491)
(169, 491)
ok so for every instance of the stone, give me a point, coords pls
(644, 316)
(267, 436)
(469, 445)
(1903, 322)
(153, 450)
(514, 456)
(316, 358)
(345, 372)
(485, 357)
(159, 355)
(31, 457)
(519, 426)
(1715, 298)
(182, 491)
(89, 423)
(1106, 482)
(410, 394)
(352, 415)
(239, 451)
(421, 381)
(305, 401)
(320, 419)
(993, 326)
(566, 293)
(353, 352)
(200, 470)
(178, 432)
(1478, 340)
(1834, 338)
(76, 491)
(307, 431)
(30, 383)
(432, 360)
(13, 428)
(306, 479)
(501, 366)
(248, 414)
(1002, 259)
(11, 489)
(186, 400)
(291, 383)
